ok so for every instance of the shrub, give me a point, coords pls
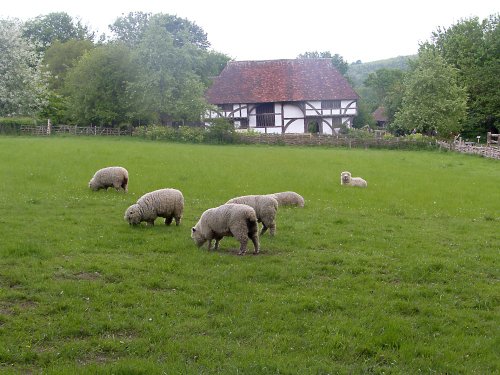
(220, 131)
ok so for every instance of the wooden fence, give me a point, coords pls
(73, 129)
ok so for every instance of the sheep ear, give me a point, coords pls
(193, 230)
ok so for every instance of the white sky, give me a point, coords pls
(365, 30)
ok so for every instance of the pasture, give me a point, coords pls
(401, 277)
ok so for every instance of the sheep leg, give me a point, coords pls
(264, 228)
(150, 223)
(217, 241)
(272, 229)
(255, 240)
(177, 220)
(210, 244)
(168, 220)
(243, 245)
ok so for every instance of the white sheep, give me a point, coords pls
(346, 179)
(289, 198)
(265, 207)
(166, 203)
(104, 178)
(236, 220)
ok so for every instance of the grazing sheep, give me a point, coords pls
(237, 220)
(167, 203)
(265, 208)
(346, 179)
(104, 178)
(289, 198)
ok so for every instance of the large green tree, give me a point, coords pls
(97, 88)
(45, 29)
(131, 28)
(175, 69)
(433, 101)
(60, 57)
(473, 47)
(382, 81)
(23, 87)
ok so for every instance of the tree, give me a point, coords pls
(364, 116)
(382, 81)
(433, 99)
(130, 29)
(62, 56)
(169, 85)
(97, 87)
(473, 47)
(337, 60)
(44, 30)
(23, 87)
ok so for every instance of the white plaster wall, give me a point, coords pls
(312, 112)
(292, 111)
(296, 127)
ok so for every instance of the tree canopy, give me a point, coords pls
(433, 101)
(473, 47)
(44, 30)
(23, 87)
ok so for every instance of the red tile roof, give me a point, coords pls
(279, 81)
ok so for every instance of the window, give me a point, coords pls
(330, 104)
(265, 115)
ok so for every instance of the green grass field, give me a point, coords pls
(401, 277)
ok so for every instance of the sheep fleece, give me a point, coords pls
(237, 220)
(346, 179)
(265, 208)
(166, 203)
(289, 198)
(104, 178)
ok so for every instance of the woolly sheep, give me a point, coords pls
(237, 220)
(289, 198)
(265, 208)
(166, 203)
(116, 177)
(346, 179)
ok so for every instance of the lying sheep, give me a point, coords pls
(237, 220)
(265, 208)
(167, 203)
(288, 198)
(104, 178)
(346, 179)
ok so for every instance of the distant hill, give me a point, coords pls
(358, 72)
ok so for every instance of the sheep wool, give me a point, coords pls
(166, 203)
(265, 207)
(236, 220)
(104, 178)
(347, 180)
(289, 198)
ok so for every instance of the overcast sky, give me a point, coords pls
(365, 30)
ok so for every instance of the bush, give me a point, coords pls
(220, 131)
(12, 125)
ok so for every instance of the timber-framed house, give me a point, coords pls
(283, 96)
